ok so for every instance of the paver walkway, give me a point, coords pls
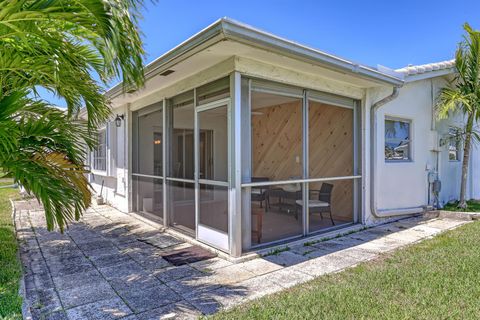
(99, 269)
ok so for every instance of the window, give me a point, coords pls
(397, 140)
(99, 160)
(454, 142)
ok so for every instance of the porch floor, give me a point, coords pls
(99, 269)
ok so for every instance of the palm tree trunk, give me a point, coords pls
(466, 157)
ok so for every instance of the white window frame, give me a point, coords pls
(452, 133)
(410, 140)
(93, 157)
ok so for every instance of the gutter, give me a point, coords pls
(251, 36)
(382, 213)
(228, 29)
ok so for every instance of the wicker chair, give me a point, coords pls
(324, 202)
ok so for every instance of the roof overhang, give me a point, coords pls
(431, 74)
(227, 29)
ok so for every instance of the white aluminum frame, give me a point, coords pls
(308, 95)
(198, 109)
(239, 157)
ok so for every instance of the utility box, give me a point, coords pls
(437, 186)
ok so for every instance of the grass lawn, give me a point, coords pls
(472, 206)
(435, 279)
(10, 270)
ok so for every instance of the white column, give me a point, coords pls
(235, 165)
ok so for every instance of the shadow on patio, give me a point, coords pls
(114, 265)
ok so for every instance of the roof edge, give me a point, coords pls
(226, 28)
(210, 33)
(247, 34)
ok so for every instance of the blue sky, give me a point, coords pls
(390, 33)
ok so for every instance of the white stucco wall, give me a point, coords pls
(450, 171)
(115, 179)
(405, 184)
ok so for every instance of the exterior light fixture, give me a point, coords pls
(118, 120)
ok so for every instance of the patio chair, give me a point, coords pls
(260, 193)
(324, 202)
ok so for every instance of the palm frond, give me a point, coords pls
(63, 45)
(463, 95)
(451, 101)
(48, 156)
(72, 48)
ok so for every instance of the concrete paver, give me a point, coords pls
(110, 266)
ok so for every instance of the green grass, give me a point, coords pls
(10, 269)
(435, 279)
(472, 206)
(277, 251)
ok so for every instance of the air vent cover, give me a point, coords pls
(166, 72)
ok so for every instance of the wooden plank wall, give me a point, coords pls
(277, 141)
(331, 153)
(277, 147)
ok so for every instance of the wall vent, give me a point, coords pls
(167, 72)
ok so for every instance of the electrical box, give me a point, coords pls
(437, 186)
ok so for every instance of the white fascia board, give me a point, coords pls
(227, 29)
(428, 75)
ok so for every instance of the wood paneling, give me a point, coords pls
(277, 141)
(331, 153)
(330, 140)
(277, 147)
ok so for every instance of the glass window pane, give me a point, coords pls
(330, 204)
(100, 152)
(213, 146)
(330, 137)
(276, 137)
(454, 144)
(149, 144)
(148, 197)
(397, 140)
(214, 207)
(276, 213)
(182, 150)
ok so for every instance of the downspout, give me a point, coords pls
(382, 213)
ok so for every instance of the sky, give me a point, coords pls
(389, 33)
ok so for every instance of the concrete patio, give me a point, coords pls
(99, 269)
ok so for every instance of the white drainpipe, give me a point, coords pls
(382, 213)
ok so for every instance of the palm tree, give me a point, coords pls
(62, 46)
(463, 96)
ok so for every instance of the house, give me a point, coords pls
(241, 139)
